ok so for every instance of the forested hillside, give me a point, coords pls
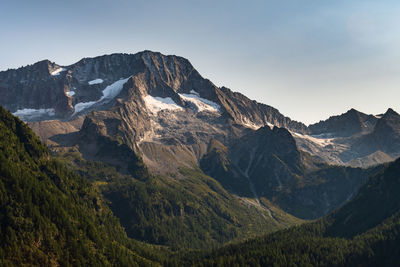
(50, 216)
(365, 232)
(194, 211)
(58, 211)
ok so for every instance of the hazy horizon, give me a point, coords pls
(309, 59)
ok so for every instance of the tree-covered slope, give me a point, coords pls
(50, 216)
(378, 200)
(185, 210)
(365, 232)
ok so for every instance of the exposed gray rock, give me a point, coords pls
(354, 139)
(266, 163)
(350, 123)
(159, 109)
(34, 87)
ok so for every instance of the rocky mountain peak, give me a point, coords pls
(269, 143)
(52, 91)
(391, 113)
(387, 132)
(347, 124)
(43, 65)
(172, 70)
(353, 111)
(389, 121)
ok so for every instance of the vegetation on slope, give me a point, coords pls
(50, 216)
(191, 211)
(365, 232)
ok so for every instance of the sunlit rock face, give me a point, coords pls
(123, 109)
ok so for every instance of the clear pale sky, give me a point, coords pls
(309, 59)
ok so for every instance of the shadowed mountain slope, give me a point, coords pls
(365, 232)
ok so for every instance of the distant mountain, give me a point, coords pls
(364, 232)
(267, 164)
(386, 133)
(350, 123)
(138, 92)
(354, 139)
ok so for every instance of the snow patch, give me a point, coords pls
(323, 135)
(70, 93)
(249, 124)
(194, 92)
(319, 141)
(109, 93)
(27, 114)
(83, 105)
(113, 90)
(57, 71)
(270, 125)
(201, 104)
(96, 81)
(156, 104)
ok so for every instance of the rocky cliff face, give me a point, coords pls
(354, 139)
(267, 164)
(386, 133)
(151, 89)
(38, 86)
(92, 83)
(149, 108)
(350, 123)
(159, 106)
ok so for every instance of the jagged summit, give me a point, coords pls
(149, 111)
(346, 124)
(149, 97)
(389, 120)
(65, 91)
(354, 138)
(387, 132)
(390, 112)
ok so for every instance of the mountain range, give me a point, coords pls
(148, 88)
(183, 163)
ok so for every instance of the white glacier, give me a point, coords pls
(96, 81)
(323, 142)
(83, 105)
(156, 104)
(109, 93)
(27, 114)
(113, 90)
(57, 71)
(201, 104)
